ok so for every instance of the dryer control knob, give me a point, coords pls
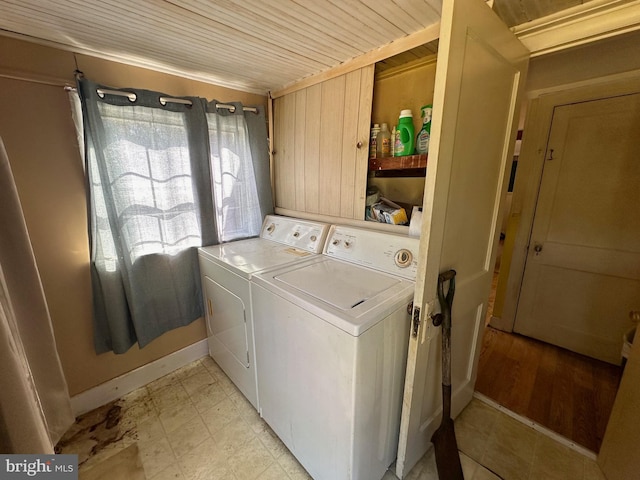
(271, 227)
(313, 238)
(335, 242)
(403, 258)
(296, 234)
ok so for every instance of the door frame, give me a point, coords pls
(537, 128)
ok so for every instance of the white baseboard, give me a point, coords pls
(120, 386)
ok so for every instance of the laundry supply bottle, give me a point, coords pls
(405, 141)
(424, 135)
(395, 139)
(373, 139)
(392, 143)
(383, 142)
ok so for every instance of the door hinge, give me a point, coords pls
(416, 321)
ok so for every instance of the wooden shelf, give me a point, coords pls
(398, 163)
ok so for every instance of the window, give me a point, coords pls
(147, 163)
(165, 177)
(237, 207)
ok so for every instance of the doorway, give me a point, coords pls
(568, 392)
(582, 272)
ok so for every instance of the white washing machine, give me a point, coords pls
(226, 270)
(331, 342)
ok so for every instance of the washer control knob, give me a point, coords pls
(313, 238)
(403, 258)
(296, 234)
(271, 227)
(336, 242)
(347, 244)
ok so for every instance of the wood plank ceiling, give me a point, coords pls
(250, 45)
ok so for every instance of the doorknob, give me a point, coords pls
(537, 248)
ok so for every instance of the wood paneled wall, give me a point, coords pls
(321, 167)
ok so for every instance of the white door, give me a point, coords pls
(481, 70)
(618, 455)
(582, 274)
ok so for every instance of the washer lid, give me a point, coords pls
(341, 285)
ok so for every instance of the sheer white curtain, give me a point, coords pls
(34, 401)
(235, 191)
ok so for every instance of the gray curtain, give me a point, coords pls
(35, 409)
(151, 167)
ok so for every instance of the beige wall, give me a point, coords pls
(36, 127)
(612, 56)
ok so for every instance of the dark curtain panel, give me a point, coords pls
(150, 207)
(259, 144)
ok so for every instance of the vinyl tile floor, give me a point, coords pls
(194, 424)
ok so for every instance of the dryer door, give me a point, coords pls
(227, 323)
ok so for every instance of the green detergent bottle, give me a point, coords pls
(424, 135)
(405, 139)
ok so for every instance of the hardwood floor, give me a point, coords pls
(568, 393)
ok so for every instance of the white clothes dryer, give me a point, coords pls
(331, 342)
(226, 271)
